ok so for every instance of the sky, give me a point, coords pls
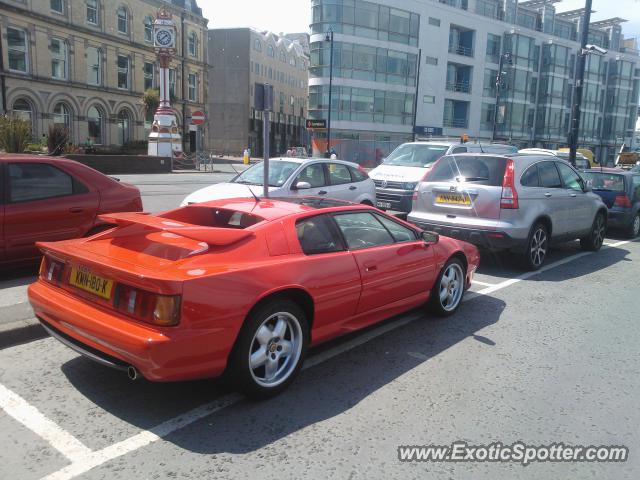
(290, 16)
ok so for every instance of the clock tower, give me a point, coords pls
(165, 139)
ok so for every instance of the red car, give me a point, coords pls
(241, 286)
(48, 199)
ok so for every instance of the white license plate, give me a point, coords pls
(383, 205)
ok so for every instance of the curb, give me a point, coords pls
(21, 331)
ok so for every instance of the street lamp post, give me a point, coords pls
(329, 38)
(503, 57)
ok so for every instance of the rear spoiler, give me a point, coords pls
(213, 236)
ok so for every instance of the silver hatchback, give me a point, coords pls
(521, 203)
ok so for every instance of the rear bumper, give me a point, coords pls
(619, 219)
(491, 239)
(168, 354)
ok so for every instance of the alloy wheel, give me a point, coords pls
(275, 349)
(598, 232)
(538, 251)
(451, 287)
(635, 227)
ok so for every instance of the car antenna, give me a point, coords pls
(257, 199)
(480, 145)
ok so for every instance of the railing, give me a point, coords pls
(461, 50)
(455, 122)
(463, 87)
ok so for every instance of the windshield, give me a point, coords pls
(415, 155)
(279, 172)
(605, 181)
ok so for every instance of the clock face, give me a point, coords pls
(164, 38)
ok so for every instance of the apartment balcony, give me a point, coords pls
(459, 77)
(461, 41)
(455, 122)
(456, 114)
(460, 87)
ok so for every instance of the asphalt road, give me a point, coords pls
(539, 358)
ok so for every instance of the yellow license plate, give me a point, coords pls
(453, 199)
(84, 279)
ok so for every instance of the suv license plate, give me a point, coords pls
(453, 199)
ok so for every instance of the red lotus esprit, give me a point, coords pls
(240, 286)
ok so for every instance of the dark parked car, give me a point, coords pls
(620, 191)
(48, 199)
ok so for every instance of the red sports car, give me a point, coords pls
(47, 199)
(241, 286)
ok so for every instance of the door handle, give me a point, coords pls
(548, 195)
(76, 210)
(370, 268)
(322, 192)
(352, 187)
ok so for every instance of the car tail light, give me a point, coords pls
(622, 201)
(161, 310)
(51, 270)
(509, 198)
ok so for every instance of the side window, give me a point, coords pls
(636, 188)
(530, 177)
(362, 230)
(459, 150)
(570, 178)
(338, 174)
(313, 175)
(549, 177)
(399, 232)
(37, 181)
(357, 175)
(318, 235)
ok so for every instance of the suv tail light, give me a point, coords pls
(622, 201)
(161, 310)
(509, 198)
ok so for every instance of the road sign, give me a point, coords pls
(197, 118)
(431, 131)
(311, 124)
(263, 97)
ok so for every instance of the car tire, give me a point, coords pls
(264, 361)
(633, 230)
(537, 247)
(448, 291)
(593, 242)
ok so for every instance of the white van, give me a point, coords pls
(399, 174)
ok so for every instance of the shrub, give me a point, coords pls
(151, 100)
(57, 139)
(15, 134)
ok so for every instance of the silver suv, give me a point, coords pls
(521, 203)
(399, 174)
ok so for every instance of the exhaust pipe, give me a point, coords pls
(132, 373)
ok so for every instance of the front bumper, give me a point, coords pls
(492, 240)
(392, 199)
(159, 354)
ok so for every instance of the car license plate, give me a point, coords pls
(383, 204)
(84, 279)
(453, 199)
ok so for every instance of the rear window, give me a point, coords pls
(415, 155)
(480, 170)
(213, 217)
(605, 181)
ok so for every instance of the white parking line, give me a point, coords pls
(89, 460)
(29, 416)
(483, 284)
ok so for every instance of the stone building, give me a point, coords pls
(238, 59)
(86, 63)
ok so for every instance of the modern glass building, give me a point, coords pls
(429, 68)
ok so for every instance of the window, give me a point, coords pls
(59, 58)
(172, 82)
(283, 57)
(149, 75)
(434, 21)
(428, 99)
(23, 110)
(37, 181)
(95, 123)
(318, 235)
(57, 6)
(148, 29)
(530, 177)
(124, 127)
(17, 50)
(270, 51)
(488, 171)
(123, 20)
(92, 12)
(362, 230)
(570, 178)
(357, 175)
(62, 115)
(549, 177)
(399, 232)
(94, 66)
(459, 150)
(338, 174)
(123, 72)
(313, 175)
(193, 44)
(431, 60)
(257, 46)
(193, 87)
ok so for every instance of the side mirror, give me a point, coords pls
(301, 186)
(430, 238)
(588, 186)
